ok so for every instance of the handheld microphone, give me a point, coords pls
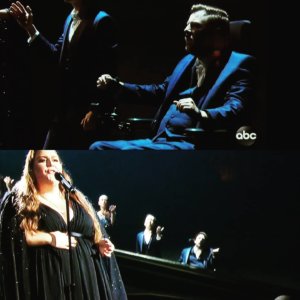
(65, 183)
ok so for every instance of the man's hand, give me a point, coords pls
(106, 247)
(23, 15)
(186, 105)
(159, 231)
(89, 121)
(105, 81)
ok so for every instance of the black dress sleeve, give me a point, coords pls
(14, 279)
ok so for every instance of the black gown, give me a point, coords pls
(43, 272)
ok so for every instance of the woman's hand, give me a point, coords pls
(112, 208)
(106, 247)
(60, 240)
(56, 239)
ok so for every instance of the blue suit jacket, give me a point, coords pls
(208, 257)
(227, 100)
(153, 248)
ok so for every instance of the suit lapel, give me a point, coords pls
(79, 32)
(180, 69)
(65, 34)
(188, 253)
(230, 66)
(173, 80)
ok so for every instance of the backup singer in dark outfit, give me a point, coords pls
(148, 242)
(210, 88)
(86, 47)
(199, 256)
(34, 244)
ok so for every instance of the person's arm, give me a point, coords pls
(9, 182)
(189, 106)
(159, 232)
(112, 210)
(56, 239)
(106, 247)
(210, 262)
(147, 92)
(24, 17)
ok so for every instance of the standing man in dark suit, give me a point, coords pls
(148, 242)
(210, 88)
(86, 47)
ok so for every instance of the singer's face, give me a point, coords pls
(46, 163)
(149, 221)
(200, 238)
(103, 200)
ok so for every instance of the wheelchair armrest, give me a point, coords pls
(139, 121)
(218, 138)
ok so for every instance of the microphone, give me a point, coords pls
(65, 183)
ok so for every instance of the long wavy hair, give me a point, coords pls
(28, 204)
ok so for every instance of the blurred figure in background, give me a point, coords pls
(6, 184)
(200, 255)
(148, 242)
(107, 213)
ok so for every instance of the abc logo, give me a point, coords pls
(245, 136)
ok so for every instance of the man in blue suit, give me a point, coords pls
(199, 256)
(148, 242)
(86, 47)
(210, 88)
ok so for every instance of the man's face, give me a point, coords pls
(199, 240)
(197, 39)
(149, 222)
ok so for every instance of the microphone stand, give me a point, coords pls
(71, 287)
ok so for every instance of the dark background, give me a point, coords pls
(151, 44)
(247, 202)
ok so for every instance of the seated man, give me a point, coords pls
(148, 242)
(210, 88)
(199, 256)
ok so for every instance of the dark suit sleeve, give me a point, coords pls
(210, 261)
(238, 96)
(14, 277)
(44, 48)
